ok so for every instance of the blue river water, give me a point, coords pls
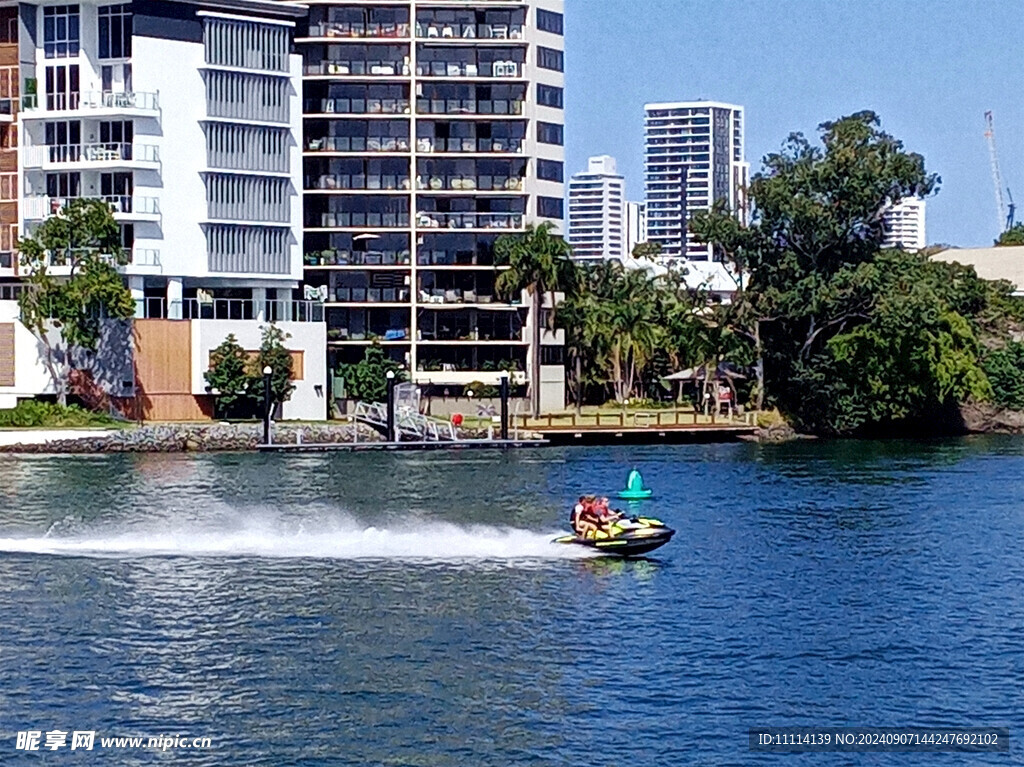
(409, 609)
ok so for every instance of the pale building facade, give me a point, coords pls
(597, 215)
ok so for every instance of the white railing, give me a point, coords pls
(60, 102)
(37, 156)
(38, 207)
(231, 309)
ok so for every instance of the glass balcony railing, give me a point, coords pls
(358, 144)
(349, 295)
(498, 69)
(358, 181)
(359, 29)
(369, 220)
(468, 31)
(358, 68)
(357, 258)
(481, 183)
(358, 106)
(468, 107)
(475, 145)
(36, 156)
(437, 219)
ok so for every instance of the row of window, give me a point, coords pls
(62, 31)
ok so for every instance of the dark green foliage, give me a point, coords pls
(273, 353)
(1012, 236)
(1005, 370)
(851, 337)
(38, 414)
(230, 378)
(366, 380)
(85, 237)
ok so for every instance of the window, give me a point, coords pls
(62, 87)
(550, 207)
(549, 21)
(60, 31)
(549, 58)
(549, 96)
(115, 31)
(552, 355)
(8, 186)
(63, 184)
(549, 133)
(550, 170)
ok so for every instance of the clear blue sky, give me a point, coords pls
(929, 68)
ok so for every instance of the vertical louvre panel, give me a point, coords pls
(246, 45)
(247, 198)
(247, 147)
(245, 96)
(239, 249)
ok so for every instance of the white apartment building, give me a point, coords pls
(693, 156)
(597, 199)
(904, 225)
(431, 128)
(185, 116)
(636, 225)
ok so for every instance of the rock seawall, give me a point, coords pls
(198, 438)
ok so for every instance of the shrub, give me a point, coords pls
(38, 414)
(1005, 370)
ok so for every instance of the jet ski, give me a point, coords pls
(626, 537)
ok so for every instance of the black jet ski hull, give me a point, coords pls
(630, 544)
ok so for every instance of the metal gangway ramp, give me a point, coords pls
(410, 424)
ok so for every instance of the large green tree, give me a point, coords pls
(231, 381)
(273, 354)
(848, 337)
(69, 263)
(538, 262)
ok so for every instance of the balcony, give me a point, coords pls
(350, 295)
(238, 309)
(469, 107)
(124, 207)
(362, 182)
(437, 220)
(357, 68)
(467, 31)
(359, 30)
(372, 258)
(358, 106)
(503, 69)
(91, 104)
(86, 156)
(469, 145)
(358, 144)
(481, 183)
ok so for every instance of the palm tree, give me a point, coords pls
(538, 262)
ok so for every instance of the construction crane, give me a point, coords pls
(1004, 210)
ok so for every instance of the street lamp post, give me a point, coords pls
(504, 405)
(390, 375)
(267, 371)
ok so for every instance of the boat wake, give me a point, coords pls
(439, 542)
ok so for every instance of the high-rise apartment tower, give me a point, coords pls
(693, 157)
(597, 227)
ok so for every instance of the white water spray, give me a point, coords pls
(340, 539)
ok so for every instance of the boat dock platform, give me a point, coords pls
(355, 447)
(644, 435)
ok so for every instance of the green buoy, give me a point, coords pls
(635, 490)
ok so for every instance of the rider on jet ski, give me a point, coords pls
(592, 514)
